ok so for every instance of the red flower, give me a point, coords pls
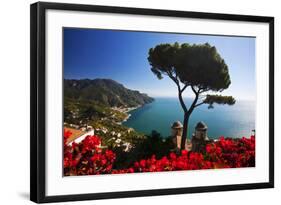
(142, 163)
(184, 152)
(173, 155)
(131, 170)
(103, 162)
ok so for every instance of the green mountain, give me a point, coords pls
(104, 91)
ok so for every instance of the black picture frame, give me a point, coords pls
(38, 101)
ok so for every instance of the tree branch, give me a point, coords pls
(179, 91)
(173, 77)
(192, 106)
(184, 87)
(181, 100)
(193, 89)
(199, 104)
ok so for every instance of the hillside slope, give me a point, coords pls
(104, 91)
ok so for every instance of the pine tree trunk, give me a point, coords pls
(187, 113)
(185, 130)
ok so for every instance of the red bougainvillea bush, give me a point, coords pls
(87, 158)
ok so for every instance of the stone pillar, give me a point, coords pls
(176, 133)
(253, 133)
(200, 137)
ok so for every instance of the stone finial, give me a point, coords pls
(201, 126)
(177, 133)
(177, 125)
(199, 138)
(201, 131)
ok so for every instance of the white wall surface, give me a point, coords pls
(14, 101)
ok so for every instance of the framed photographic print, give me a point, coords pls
(129, 102)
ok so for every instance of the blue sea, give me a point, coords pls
(235, 121)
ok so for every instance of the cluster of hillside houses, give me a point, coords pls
(89, 130)
(83, 127)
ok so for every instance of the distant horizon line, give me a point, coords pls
(150, 95)
(237, 99)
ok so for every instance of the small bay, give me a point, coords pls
(234, 121)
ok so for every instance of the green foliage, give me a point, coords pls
(163, 59)
(83, 111)
(153, 144)
(203, 67)
(193, 65)
(219, 99)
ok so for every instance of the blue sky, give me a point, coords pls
(122, 56)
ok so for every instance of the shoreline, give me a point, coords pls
(129, 109)
(126, 118)
(128, 114)
(126, 111)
